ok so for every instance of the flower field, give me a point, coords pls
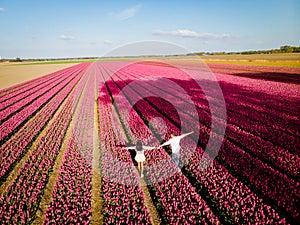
(60, 129)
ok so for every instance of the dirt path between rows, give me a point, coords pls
(97, 204)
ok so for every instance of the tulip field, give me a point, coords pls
(62, 139)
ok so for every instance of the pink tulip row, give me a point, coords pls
(21, 199)
(252, 109)
(84, 119)
(247, 184)
(228, 157)
(17, 119)
(154, 157)
(224, 68)
(182, 206)
(121, 204)
(17, 89)
(71, 201)
(233, 90)
(13, 148)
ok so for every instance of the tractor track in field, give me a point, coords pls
(155, 218)
(97, 202)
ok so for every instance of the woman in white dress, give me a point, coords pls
(140, 156)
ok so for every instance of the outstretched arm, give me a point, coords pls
(184, 135)
(130, 148)
(148, 148)
(166, 143)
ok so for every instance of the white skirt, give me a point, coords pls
(140, 158)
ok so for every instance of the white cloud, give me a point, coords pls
(66, 37)
(127, 13)
(2, 9)
(192, 34)
(108, 42)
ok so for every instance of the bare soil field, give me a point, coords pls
(14, 73)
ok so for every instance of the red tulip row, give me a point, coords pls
(287, 196)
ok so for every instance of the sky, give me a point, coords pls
(83, 28)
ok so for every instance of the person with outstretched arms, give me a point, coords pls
(140, 156)
(174, 142)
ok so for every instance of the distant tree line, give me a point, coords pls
(282, 49)
(18, 59)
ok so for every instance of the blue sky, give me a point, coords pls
(35, 29)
